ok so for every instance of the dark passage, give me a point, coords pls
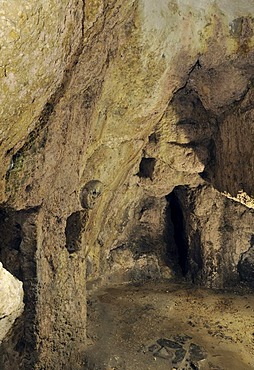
(146, 167)
(18, 233)
(179, 231)
(73, 232)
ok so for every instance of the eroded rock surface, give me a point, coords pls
(154, 100)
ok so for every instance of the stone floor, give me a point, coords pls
(170, 326)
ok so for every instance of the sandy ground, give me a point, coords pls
(135, 328)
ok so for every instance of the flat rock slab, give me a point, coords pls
(181, 354)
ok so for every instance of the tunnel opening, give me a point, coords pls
(175, 217)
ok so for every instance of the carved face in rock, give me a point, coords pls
(89, 193)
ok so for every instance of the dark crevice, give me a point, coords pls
(196, 65)
(146, 167)
(179, 231)
(75, 226)
(154, 138)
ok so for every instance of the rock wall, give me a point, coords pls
(218, 236)
(37, 50)
(126, 155)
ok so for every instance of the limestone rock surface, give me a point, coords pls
(39, 42)
(153, 100)
(216, 247)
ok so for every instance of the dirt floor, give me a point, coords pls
(170, 326)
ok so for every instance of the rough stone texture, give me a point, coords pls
(33, 38)
(11, 300)
(214, 241)
(141, 250)
(143, 97)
